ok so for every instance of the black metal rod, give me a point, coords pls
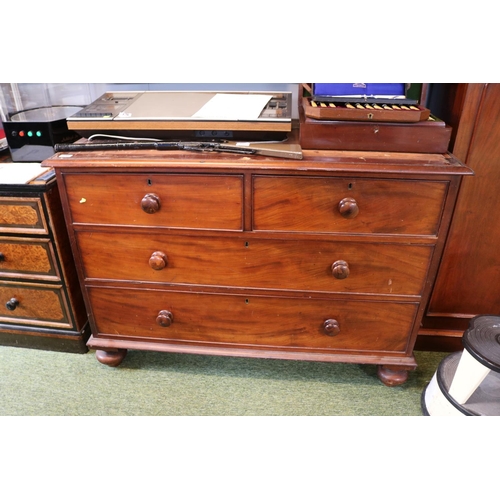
(116, 146)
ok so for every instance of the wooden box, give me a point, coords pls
(429, 136)
(359, 111)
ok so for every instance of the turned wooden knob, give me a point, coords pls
(150, 203)
(165, 318)
(348, 208)
(340, 269)
(12, 304)
(331, 327)
(158, 261)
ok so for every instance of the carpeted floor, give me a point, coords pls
(307, 456)
(45, 383)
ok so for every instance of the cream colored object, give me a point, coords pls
(470, 373)
(20, 173)
(437, 403)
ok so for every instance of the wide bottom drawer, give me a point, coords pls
(252, 320)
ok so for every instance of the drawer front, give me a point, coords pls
(22, 215)
(332, 205)
(29, 258)
(33, 305)
(256, 263)
(248, 320)
(167, 200)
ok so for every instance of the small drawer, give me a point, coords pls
(252, 321)
(323, 266)
(42, 305)
(167, 200)
(335, 205)
(22, 215)
(28, 258)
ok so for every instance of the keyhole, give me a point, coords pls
(150, 182)
(349, 186)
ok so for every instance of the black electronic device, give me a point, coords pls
(32, 133)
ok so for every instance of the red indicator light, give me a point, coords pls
(21, 133)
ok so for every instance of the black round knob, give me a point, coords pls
(12, 304)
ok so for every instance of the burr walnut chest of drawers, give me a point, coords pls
(40, 295)
(330, 258)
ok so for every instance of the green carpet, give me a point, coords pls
(45, 383)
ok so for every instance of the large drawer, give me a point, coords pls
(350, 205)
(22, 215)
(28, 258)
(249, 320)
(167, 200)
(42, 305)
(235, 261)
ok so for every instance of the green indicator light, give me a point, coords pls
(30, 134)
(38, 133)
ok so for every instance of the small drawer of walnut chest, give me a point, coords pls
(171, 201)
(22, 215)
(29, 258)
(34, 304)
(347, 205)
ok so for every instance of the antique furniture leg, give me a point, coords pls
(111, 357)
(392, 375)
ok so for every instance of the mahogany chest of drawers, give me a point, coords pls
(329, 258)
(40, 295)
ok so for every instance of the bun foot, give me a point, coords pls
(111, 358)
(392, 375)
